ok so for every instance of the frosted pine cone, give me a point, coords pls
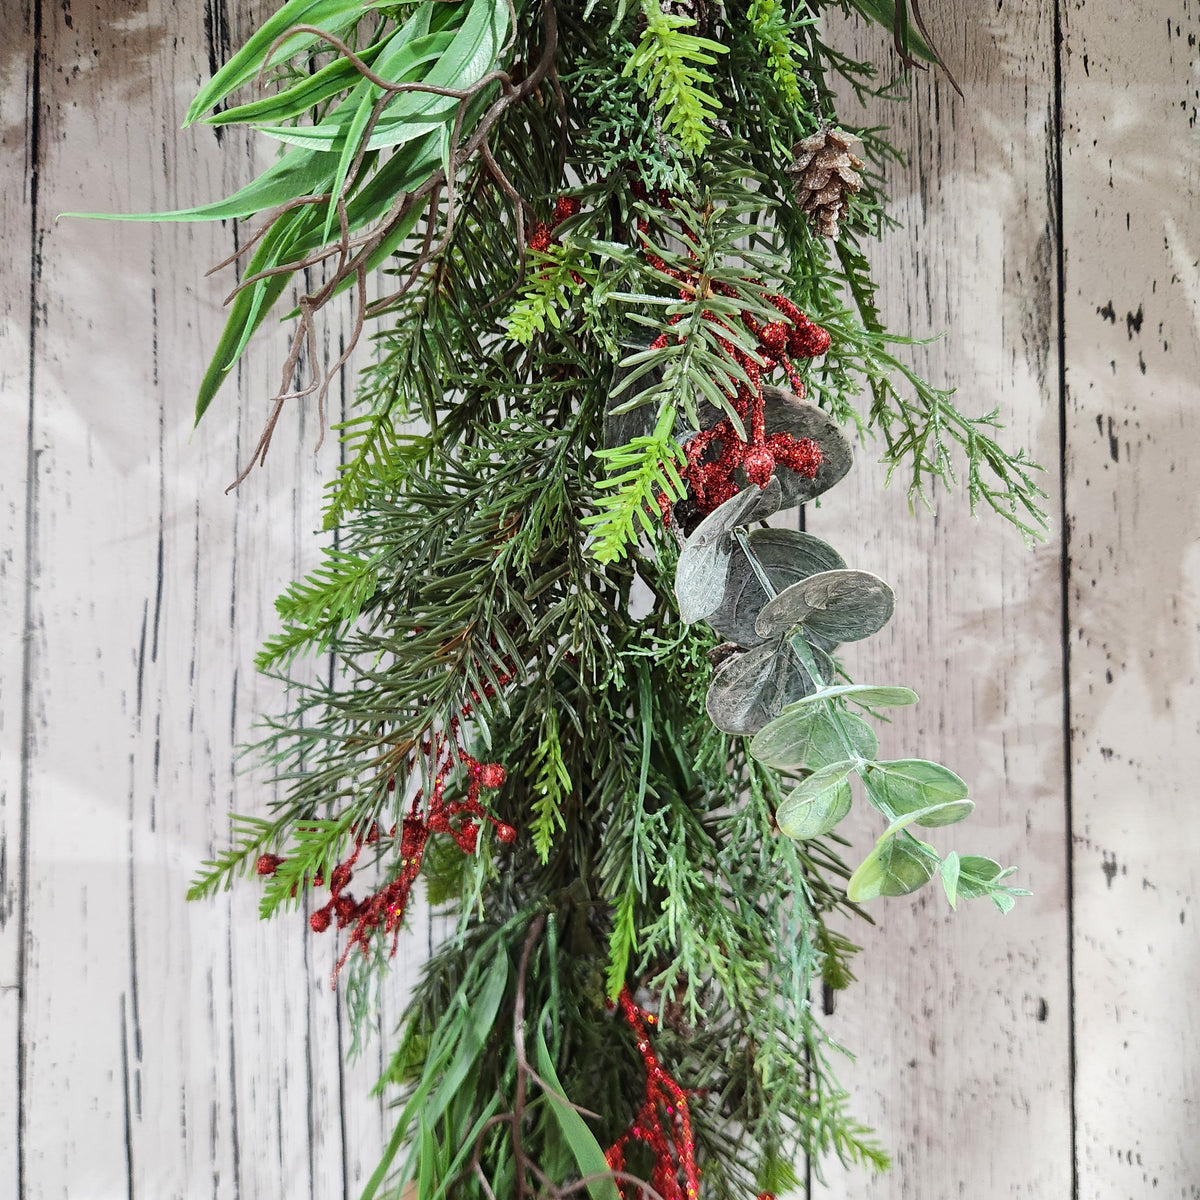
(826, 173)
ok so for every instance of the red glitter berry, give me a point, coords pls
(345, 906)
(566, 206)
(759, 465)
(267, 864)
(540, 241)
(506, 833)
(492, 775)
(340, 877)
(774, 337)
(319, 921)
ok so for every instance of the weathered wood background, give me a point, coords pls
(1049, 223)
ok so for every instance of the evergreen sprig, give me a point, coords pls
(503, 579)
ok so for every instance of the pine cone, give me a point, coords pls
(825, 171)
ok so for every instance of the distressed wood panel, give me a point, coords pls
(961, 1021)
(18, 136)
(1131, 183)
(202, 1050)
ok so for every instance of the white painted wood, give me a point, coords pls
(1131, 177)
(961, 1020)
(16, 201)
(200, 1049)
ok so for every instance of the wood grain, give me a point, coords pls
(1131, 185)
(961, 1021)
(201, 1050)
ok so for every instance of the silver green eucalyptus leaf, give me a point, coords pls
(784, 412)
(871, 695)
(786, 556)
(833, 607)
(704, 558)
(915, 785)
(818, 803)
(896, 866)
(751, 688)
(808, 739)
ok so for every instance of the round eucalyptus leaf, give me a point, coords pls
(751, 688)
(784, 412)
(910, 785)
(700, 574)
(833, 607)
(975, 875)
(818, 803)
(896, 867)
(808, 739)
(869, 694)
(785, 555)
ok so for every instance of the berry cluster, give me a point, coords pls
(461, 819)
(662, 1123)
(542, 237)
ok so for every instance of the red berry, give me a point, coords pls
(319, 921)
(759, 465)
(567, 206)
(340, 877)
(267, 864)
(774, 337)
(345, 906)
(540, 240)
(492, 775)
(506, 833)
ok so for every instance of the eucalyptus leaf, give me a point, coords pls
(786, 556)
(868, 694)
(946, 813)
(949, 872)
(910, 785)
(833, 606)
(751, 688)
(704, 558)
(896, 867)
(808, 739)
(818, 803)
(977, 874)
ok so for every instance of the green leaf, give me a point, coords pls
(330, 15)
(911, 786)
(808, 738)
(584, 1147)
(832, 606)
(818, 803)
(896, 867)
(869, 694)
(949, 872)
(932, 815)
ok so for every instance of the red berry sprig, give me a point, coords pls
(663, 1123)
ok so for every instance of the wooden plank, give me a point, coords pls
(1132, 230)
(18, 151)
(196, 1061)
(961, 1020)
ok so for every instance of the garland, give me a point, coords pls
(583, 691)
